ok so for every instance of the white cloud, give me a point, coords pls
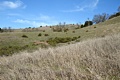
(78, 9)
(13, 14)
(95, 3)
(36, 20)
(32, 23)
(12, 5)
(22, 21)
(42, 17)
(88, 4)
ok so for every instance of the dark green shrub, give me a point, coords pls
(82, 26)
(52, 42)
(56, 40)
(9, 50)
(24, 36)
(39, 34)
(79, 36)
(94, 26)
(88, 23)
(74, 38)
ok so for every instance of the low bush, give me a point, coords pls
(82, 26)
(79, 36)
(73, 31)
(24, 36)
(39, 34)
(46, 35)
(9, 50)
(86, 30)
(57, 29)
(43, 30)
(74, 38)
(56, 40)
(66, 29)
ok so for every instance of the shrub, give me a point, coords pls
(24, 36)
(46, 35)
(43, 30)
(9, 50)
(79, 36)
(57, 29)
(86, 30)
(56, 40)
(39, 34)
(102, 35)
(73, 31)
(94, 26)
(66, 29)
(88, 23)
(74, 38)
(82, 26)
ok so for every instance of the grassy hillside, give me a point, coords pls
(94, 59)
(14, 42)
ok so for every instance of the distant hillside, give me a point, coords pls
(12, 42)
(114, 20)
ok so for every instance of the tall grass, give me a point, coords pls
(95, 59)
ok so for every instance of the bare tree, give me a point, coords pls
(119, 9)
(64, 24)
(100, 18)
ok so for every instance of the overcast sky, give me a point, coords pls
(33, 13)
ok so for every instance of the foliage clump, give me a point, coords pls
(24, 36)
(56, 40)
(46, 34)
(39, 34)
(73, 31)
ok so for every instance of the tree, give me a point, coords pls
(119, 9)
(9, 29)
(64, 24)
(88, 23)
(0, 29)
(100, 18)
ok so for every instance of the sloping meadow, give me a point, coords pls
(94, 59)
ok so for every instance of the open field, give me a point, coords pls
(13, 42)
(94, 59)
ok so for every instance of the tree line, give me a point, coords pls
(5, 29)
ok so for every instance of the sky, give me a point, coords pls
(34, 13)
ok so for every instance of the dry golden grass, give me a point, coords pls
(95, 59)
